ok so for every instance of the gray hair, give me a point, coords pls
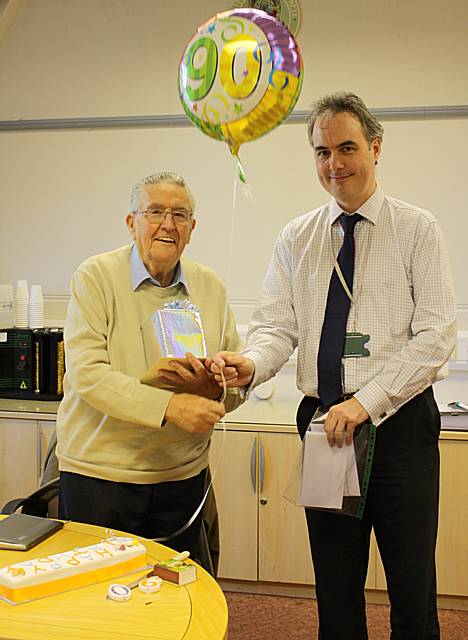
(345, 102)
(163, 177)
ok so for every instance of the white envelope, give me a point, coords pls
(328, 473)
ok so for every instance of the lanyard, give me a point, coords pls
(339, 273)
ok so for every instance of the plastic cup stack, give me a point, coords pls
(22, 305)
(36, 307)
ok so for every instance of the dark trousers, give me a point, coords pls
(402, 508)
(148, 510)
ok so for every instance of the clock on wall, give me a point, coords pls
(286, 11)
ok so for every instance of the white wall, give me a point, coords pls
(106, 57)
(63, 194)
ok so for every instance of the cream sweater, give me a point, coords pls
(109, 424)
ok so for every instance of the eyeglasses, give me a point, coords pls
(158, 214)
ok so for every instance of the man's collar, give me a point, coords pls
(369, 210)
(140, 273)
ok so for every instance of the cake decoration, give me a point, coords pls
(176, 570)
(79, 567)
(150, 585)
(119, 593)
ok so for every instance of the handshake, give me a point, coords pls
(198, 402)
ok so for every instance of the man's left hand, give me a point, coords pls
(198, 381)
(342, 419)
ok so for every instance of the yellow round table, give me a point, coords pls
(196, 611)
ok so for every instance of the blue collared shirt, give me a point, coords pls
(140, 273)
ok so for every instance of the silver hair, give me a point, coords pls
(163, 177)
(345, 102)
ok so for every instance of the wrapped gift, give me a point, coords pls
(178, 328)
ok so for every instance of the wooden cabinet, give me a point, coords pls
(23, 446)
(284, 551)
(233, 457)
(263, 537)
(452, 549)
(19, 473)
(283, 547)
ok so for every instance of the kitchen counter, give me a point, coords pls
(13, 408)
(274, 412)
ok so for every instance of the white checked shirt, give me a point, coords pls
(404, 299)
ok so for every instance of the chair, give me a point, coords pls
(38, 503)
(44, 501)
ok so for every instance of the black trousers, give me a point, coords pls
(148, 510)
(402, 508)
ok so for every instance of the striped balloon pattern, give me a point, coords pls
(240, 76)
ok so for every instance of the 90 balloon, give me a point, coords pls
(240, 76)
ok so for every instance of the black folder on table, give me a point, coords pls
(20, 532)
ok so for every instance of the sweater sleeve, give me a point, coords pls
(88, 367)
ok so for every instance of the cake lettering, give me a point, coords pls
(33, 578)
(104, 552)
(37, 568)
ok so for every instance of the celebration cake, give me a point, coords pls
(80, 567)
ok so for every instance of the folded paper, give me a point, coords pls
(328, 473)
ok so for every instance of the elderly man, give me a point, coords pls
(131, 456)
(362, 287)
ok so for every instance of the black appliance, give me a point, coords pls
(32, 363)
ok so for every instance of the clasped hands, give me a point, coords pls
(193, 408)
(196, 379)
(342, 418)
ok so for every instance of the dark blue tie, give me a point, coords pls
(333, 334)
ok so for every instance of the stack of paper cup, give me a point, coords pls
(22, 304)
(36, 307)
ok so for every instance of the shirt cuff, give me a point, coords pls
(243, 393)
(376, 402)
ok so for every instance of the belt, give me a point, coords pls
(320, 406)
(343, 398)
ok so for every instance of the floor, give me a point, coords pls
(257, 617)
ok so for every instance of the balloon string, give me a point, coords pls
(225, 390)
(240, 170)
(229, 255)
(194, 516)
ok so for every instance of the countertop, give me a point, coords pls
(270, 413)
(39, 410)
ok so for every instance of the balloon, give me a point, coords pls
(240, 76)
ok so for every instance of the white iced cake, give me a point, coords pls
(78, 567)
